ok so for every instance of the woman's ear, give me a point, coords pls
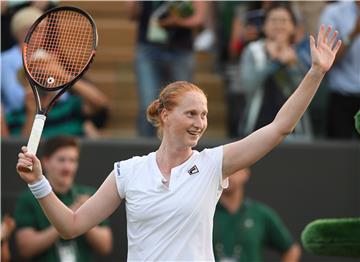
(164, 114)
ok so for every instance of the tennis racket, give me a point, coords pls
(57, 51)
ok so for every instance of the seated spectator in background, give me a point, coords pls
(9, 8)
(343, 80)
(243, 228)
(270, 70)
(12, 91)
(164, 49)
(83, 113)
(7, 227)
(36, 238)
(69, 116)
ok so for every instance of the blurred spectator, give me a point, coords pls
(309, 14)
(83, 113)
(164, 51)
(247, 25)
(8, 9)
(7, 227)
(12, 91)
(205, 39)
(36, 238)
(343, 80)
(71, 113)
(227, 13)
(243, 228)
(4, 128)
(239, 22)
(270, 70)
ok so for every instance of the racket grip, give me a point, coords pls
(36, 132)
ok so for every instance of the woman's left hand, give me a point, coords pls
(324, 52)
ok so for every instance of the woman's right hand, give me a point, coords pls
(29, 175)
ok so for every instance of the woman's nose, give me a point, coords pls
(200, 122)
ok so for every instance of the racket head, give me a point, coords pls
(59, 47)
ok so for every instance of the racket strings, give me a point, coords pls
(59, 48)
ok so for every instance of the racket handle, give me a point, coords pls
(36, 132)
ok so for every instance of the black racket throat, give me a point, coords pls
(49, 98)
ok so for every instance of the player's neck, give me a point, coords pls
(169, 157)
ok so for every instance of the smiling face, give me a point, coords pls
(279, 25)
(187, 121)
(61, 168)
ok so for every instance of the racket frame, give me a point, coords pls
(41, 114)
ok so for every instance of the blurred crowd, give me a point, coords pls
(264, 53)
(261, 49)
(83, 111)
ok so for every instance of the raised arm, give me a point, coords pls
(245, 152)
(70, 223)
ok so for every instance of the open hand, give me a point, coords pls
(324, 52)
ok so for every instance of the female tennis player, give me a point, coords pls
(171, 194)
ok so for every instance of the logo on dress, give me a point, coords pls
(193, 170)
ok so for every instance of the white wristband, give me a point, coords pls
(41, 188)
